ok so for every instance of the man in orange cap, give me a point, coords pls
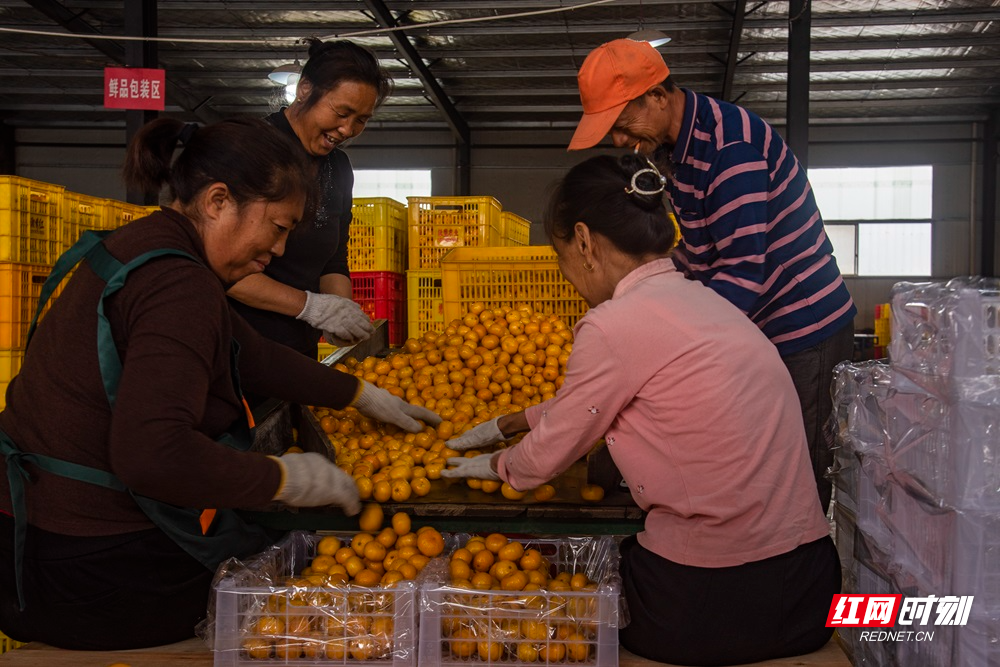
(750, 227)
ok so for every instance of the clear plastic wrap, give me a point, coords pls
(265, 612)
(463, 626)
(918, 466)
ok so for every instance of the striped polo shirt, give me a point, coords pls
(750, 227)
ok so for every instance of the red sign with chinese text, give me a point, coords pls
(134, 88)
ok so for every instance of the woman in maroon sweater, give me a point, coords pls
(124, 439)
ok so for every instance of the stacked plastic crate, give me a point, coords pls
(918, 469)
(30, 242)
(438, 225)
(376, 256)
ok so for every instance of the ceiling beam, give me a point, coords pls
(113, 50)
(416, 63)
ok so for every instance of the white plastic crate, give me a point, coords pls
(463, 627)
(259, 619)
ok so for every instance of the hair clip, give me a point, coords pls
(651, 169)
(187, 132)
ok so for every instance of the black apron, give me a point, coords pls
(209, 536)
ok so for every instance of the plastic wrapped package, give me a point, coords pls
(945, 330)
(264, 611)
(946, 450)
(846, 526)
(869, 653)
(465, 626)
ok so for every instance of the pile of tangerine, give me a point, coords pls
(490, 363)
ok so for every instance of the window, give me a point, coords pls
(397, 184)
(878, 219)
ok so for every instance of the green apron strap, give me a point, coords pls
(61, 269)
(16, 476)
(107, 353)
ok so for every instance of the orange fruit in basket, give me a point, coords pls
(515, 581)
(578, 581)
(371, 518)
(343, 553)
(511, 551)
(483, 560)
(270, 625)
(496, 541)
(490, 651)
(459, 569)
(322, 563)
(552, 652)
(502, 568)
(359, 541)
(258, 649)
(462, 553)
(463, 643)
(374, 551)
(482, 581)
(527, 652)
(367, 577)
(401, 523)
(387, 537)
(591, 492)
(354, 565)
(391, 578)
(430, 543)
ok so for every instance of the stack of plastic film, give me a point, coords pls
(265, 612)
(470, 627)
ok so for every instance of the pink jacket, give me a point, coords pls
(699, 414)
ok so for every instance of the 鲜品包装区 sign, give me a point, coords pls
(134, 88)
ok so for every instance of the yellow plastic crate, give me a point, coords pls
(516, 230)
(423, 302)
(378, 235)
(30, 216)
(20, 287)
(10, 365)
(509, 276)
(81, 213)
(121, 213)
(438, 224)
(6, 643)
(325, 350)
(150, 210)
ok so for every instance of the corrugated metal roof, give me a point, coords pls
(905, 59)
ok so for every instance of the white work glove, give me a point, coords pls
(484, 435)
(382, 406)
(312, 480)
(477, 467)
(336, 317)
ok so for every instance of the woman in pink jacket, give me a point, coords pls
(735, 563)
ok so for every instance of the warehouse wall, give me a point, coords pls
(518, 168)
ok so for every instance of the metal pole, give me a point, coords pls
(797, 103)
(991, 136)
(140, 21)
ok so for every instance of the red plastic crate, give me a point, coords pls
(382, 294)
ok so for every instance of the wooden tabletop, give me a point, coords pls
(194, 653)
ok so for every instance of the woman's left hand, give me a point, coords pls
(476, 467)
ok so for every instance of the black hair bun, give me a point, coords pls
(645, 182)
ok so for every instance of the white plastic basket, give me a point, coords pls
(261, 620)
(477, 628)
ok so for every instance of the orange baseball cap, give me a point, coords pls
(613, 75)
